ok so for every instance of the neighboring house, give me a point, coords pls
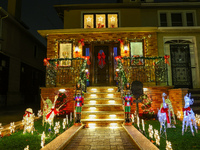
(21, 54)
(129, 28)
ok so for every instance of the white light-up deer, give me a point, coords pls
(189, 116)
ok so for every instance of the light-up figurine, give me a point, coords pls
(189, 116)
(1, 128)
(39, 113)
(28, 121)
(150, 130)
(26, 148)
(168, 145)
(64, 123)
(57, 127)
(43, 139)
(12, 127)
(157, 137)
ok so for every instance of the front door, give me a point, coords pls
(101, 65)
(181, 65)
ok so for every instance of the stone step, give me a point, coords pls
(116, 98)
(102, 89)
(102, 116)
(103, 101)
(103, 95)
(102, 112)
(107, 108)
(101, 105)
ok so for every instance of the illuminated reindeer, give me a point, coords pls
(189, 116)
(163, 115)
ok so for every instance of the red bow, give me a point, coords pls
(186, 109)
(27, 113)
(46, 61)
(166, 59)
(165, 110)
(118, 57)
(52, 110)
(87, 58)
(121, 41)
(101, 58)
(81, 42)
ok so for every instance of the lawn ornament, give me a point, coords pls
(150, 130)
(128, 99)
(39, 113)
(157, 137)
(189, 116)
(28, 121)
(26, 148)
(47, 105)
(43, 139)
(168, 145)
(1, 128)
(12, 127)
(64, 123)
(57, 127)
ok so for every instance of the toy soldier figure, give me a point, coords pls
(79, 101)
(128, 102)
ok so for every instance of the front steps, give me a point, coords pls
(102, 107)
(195, 94)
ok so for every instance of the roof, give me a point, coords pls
(45, 33)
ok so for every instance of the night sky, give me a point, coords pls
(40, 14)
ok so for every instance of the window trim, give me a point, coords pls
(183, 14)
(100, 12)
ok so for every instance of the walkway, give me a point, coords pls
(102, 138)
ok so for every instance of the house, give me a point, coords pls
(21, 54)
(157, 40)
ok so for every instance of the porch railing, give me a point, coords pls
(57, 76)
(148, 70)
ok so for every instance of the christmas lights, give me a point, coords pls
(43, 139)
(157, 137)
(12, 127)
(26, 148)
(57, 127)
(150, 130)
(39, 113)
(168, 145)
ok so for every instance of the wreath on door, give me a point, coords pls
(101, 59)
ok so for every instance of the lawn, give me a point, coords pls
(18, 140)
(174, 135)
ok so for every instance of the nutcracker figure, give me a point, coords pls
(79, 101)
(128, 99)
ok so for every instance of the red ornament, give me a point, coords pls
(166, 59)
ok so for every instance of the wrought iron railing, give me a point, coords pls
(148, 70)
(65, 75)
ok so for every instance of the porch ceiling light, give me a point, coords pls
(61, 90)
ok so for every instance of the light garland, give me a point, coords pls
(12, 127)
(150, 130)
(168, 145)
(43, 139)
(157, 137)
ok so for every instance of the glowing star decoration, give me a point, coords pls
(12, 127)
(150, 130)
(100, 19)
(132, 116)
(57, 127)
(143, 126)
(168, 145)
(88, 19)
(28, 121)
(64, 123)
(179, 114)
(138, 122)
(189, 116)
(26, 148)
(157, 137)
(1, 128)
(39, 113)
(43, 139)
(112, 19)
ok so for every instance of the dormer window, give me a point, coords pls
(101, 20)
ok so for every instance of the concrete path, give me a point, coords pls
(102, 138)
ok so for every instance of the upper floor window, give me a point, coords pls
(65, 51)
(100, 20)
(176, 18)
(137, 50)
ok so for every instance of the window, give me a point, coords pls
(163, 20)
(65, 51)
(176, 18)
(136, 50)
(100, 20)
